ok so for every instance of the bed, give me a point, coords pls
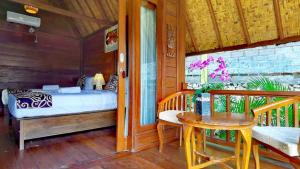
(67, 113)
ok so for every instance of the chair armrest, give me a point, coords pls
(271, 106)
(171, 102)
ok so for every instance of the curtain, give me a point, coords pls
(148, 66)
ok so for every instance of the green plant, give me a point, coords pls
(206, 88)
(238, 103)
(265, 84)
(260, 83)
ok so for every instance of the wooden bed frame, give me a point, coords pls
(38, 127)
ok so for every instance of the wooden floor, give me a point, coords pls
(91, 150)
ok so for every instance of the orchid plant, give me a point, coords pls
(199, 64)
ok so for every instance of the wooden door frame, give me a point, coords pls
(134, 70)
(138, 133)
(121, 143)
(134, 44)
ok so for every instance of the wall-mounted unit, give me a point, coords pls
(23, 19)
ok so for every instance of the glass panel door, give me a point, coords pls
(148, 69)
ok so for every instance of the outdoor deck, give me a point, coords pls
(94, 149)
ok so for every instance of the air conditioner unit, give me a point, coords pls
(23, 19)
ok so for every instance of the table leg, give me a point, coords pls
(193, 140)
(237, 149)
(247, 137)
(187, 144)
(180, 135)
(204, 140)
(255, 147)
(200, 141)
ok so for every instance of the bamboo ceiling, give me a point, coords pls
(217, 25)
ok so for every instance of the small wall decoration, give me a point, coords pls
(171, 35)
(111, 39)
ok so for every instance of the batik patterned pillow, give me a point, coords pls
(16, 91)
(112, 83)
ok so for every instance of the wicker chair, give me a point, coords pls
(282, 140)
(168, 108)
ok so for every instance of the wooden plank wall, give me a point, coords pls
(95, 59)
(55, 59)
(173, 59)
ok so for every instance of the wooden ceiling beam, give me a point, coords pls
(84, 25)
(74, 26)
(102, 11)
(243, 21)
(215, 24)
(92, 11)
(278, 19)
(253, 45)
(92, 6)
(81, 25)
(84, 10)
(59, 11)
(110, 8)
(87, 25)
(189, 31)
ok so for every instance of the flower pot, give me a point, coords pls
(203, 104)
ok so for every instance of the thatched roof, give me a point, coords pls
(216, 25)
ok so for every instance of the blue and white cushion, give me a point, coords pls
(170, 116)
(285, 139)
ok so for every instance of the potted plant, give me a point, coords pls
(201, 96)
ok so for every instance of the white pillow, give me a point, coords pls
(88, 83)
(50, 87)
(36, 90)
(69, 89)
(5, 96)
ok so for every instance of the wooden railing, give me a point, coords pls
(266, 118)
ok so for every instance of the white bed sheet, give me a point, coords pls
(68, 103)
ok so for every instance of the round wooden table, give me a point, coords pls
(194, 137)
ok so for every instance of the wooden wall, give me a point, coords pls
(173, 58)
(95, 59)
(55, 59)
(25, 64)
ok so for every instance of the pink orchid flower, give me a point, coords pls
(221, 68)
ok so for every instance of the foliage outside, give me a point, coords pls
(238, 102)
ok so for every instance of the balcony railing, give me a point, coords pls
(288, 116)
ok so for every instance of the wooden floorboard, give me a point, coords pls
(92, 150)
(55, 152)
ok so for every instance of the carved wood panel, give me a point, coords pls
(171, 40)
